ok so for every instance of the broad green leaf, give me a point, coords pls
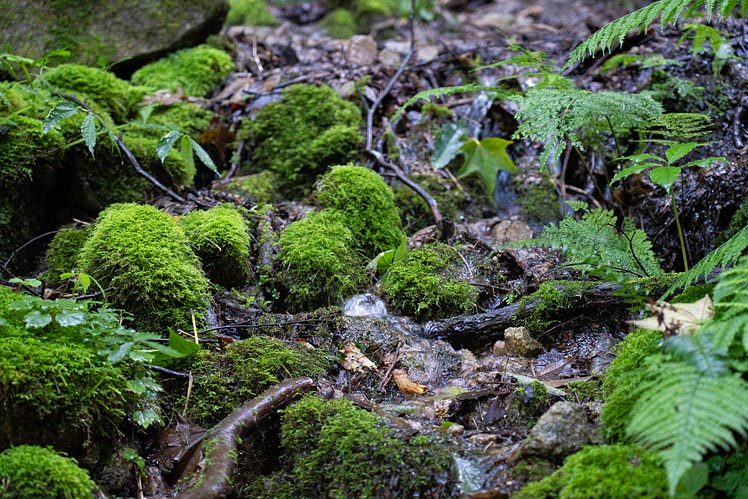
(487, 158)
(36, 319)
(203, 156)
(677, 151)
(185, 151)
(632, 170)
(448, 142)
(182, 346)
(57, 114)
(88, 130)
(665, 176)
(141, 356)
(166, 143)
(67, 318)
(705, 162)
(121, 353)
(32, 283)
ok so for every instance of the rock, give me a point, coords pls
(362, 50)
(561, 431)
(96, 32)
(499, 348)
(519, 342)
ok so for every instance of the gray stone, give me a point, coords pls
(519, 342)
(98, 32)
(561, 431)
(362, 50)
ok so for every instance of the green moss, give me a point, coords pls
(339, 24)
(196, 70)
(309, 129)
(30, 472)
(425, 284)
(367, 203)
(538, 200)
(143, 147)
(62, 253)
(604, 472)
(249, 13)
(220, 238)
(261, 187)
(23, 145)
(225, 381)
(320, 265)
(622, 378)
(140, 252)
(88, 83)
(336, 450)
(585, 391)
(548, 303)
(415, 213)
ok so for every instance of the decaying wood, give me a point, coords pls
(220, 443)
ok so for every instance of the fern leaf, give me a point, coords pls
(554, 115)
(685, 414)
(731, 293)
(723, 256)
(426, 95)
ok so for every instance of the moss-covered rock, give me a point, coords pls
(622, 378)
(197, 71)
(249, 13)
(30, 472)
(333, 449)
(604, 472)
(367, 204)
(339, 23)
(141, 253)
(320, 266)
(62, 253)
(425, 284)
(309, 129)
(220, 238)
(224, 381)
(546, 303)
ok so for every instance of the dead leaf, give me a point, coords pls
(678, 318)
(405, 385)
(354, 360)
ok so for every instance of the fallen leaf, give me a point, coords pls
(677, 318)
(405, 385)
(355, 360)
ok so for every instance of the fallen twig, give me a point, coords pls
(220, 443)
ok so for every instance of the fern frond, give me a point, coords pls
(593, 244)
(723, 256)
(685, 414)
(668, 11)
(731, 292)
(679, 126)
(426, 95)
(556, 114)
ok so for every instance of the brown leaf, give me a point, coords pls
(355, 360)
(405, 385)
(678, 318)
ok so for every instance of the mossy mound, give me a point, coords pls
(62, 253)
(29, 472)
(249, 13)
(225, 381)
(320, 266)
(622, 378)
(333, 449)
(415, 213)
(87, 83)
(220, 238)
(604, 472)
(196, 70)
(339, 24)
(141, 253)
(425, 284)
(308, 130)
(367, 204)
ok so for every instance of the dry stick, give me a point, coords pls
(371, 110)
(220, 443)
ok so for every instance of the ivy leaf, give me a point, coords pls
(36, 319)
(486, 157)
(451, 137)
(88, 130)
(165, 144)
(665, 176)
(57, 114)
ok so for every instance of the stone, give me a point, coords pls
(362, 50)
(101, 33)
(561, 431)
(519, 342)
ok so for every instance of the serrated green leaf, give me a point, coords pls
(677, 151)
(486, 158)
(448, 142)
(36, 319)
(165, 144)
(122, 352)
(57, 114)
(88, 130)
(665, 176)
(137, 386)
(67, 318)
(203, 156)
(146, 417)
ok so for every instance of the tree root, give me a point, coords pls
(220, 443)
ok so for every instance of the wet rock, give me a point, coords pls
(362, 50)
(499, 348)
(561, 431)
(519, 342)
(95, 32)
